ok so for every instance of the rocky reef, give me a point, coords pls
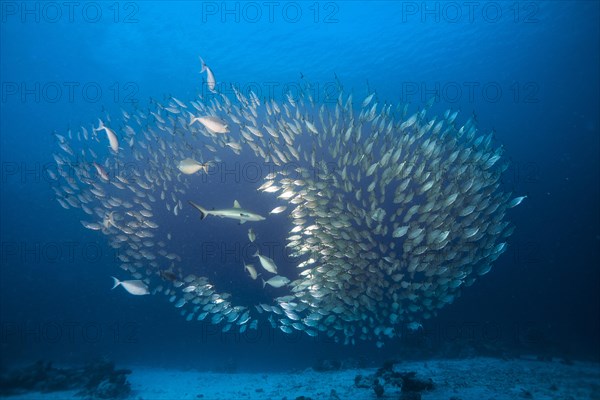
(410, 385)
(95, 380)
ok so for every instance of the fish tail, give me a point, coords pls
(203, 65)
(116, 282)
(264, 283)
(256, 254)
(100, 125)
(202, 211)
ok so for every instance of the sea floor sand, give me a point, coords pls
(466, 379)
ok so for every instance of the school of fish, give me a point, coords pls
(391, 213)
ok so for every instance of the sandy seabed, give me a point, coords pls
(466, 379)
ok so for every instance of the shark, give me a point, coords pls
(237, 212)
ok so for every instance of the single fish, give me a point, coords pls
(189, 289)
(516, 201)
(213, 124)
(210, 77)
(266, 263)
(101, 172)
(190, 166)
(251, 235)
(237, 212)
(278, 210)
(112, 137)
(276, 281)
(135, 287)
(251, 270)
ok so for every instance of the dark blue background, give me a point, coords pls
(541, 296)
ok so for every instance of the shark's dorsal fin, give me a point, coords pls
(236, 204)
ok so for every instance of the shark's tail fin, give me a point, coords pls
(202, 211)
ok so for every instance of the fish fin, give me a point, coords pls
(116, 282)
(236, 204)
(202, 211)
(243, 221)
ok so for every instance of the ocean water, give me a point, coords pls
(528, 71)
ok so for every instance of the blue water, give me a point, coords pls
(529, 71)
